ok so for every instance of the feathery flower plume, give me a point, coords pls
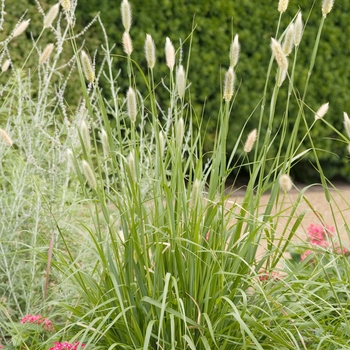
(327, 7)
(6, 137)
(89, 174)
(322, 111)
(282, 5)
(298, 30)
(251, 138)
(85, 136)
(169, 54)
(161, 142)
(71, 160)
(51, 15)
(126, 15)
(131, 161)
(150, 51)
(180, 130)
(88, 69)
(46, 53)
(285, 183)
(104, 141)
(234, 51)
(21, 28)
(195, 191)
(347, 124)
(131, 104)
(66, 5)
(280, 76)
(127, 43)
(229, 84)
(6, 66)
(288, 41)
(181, 81)
(279, 55)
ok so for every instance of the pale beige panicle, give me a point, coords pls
(126, 15)
(322, 111)
(327, 6)
(279, 55)
(282, 5)
(181, 81)
(288, 42)
(66, 5)
(229, 82)
(88, 69)
(235, 48)
(298, 30)
(89, 174)
(347, 124)
(46, 53)
(85, 136)
(104, 141)
(131, 104)
(285, 182)
(196, 192)
(131, 161)
(6, 137)
(21, 28)
(71, 160)
(280, 76)
(6, 65)
(251, 138)
(180, 130)
(161, 142)
(150, 51)
(51, 15)
(127, 43)
(169, 54)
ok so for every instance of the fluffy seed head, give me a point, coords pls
(46, 53)
(71, 160)
(234, 51)
(279, 55)
(6, 65)
(322, 111)
(21, 28)
(66, 5)
(288, 41)
(131, 162)
(280, 76)
(131, 104)
(126, 15)
(169, 54)
(51, 15)
(127, 43)
(196, 188)
(181, 81)
(88, 69)
(229, 84)
(89, 174)
(347, 124)
(285, 182)
(327, 7)
(180, 129)
(104, 141)
(282, 5)
(85, 136)
(6, 137)
(150, 51)
(161, 143)
(251, 138)
(298, 30)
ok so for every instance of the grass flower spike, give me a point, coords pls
(234, 51)
(21, 28)
(85, 136)
(229, 84)
(131, 104)
(327, 6)
(46, 53)
(126, 15)
(285, 182)
(181, 81)
(51, 15)
(280, 76)
(298, 30)
(251, 138)
(347, 124)
(5, 66)
(288, 41)
(66, 5)
(169, 54)
(150, 51)
(5, 136)
(88, 69)
(279, 54)
(89, 174)
(322, 111)
(282, 5)
(127, 43)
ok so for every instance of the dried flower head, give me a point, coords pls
(285, 183)
(322, 111)
(169, 54)
(89, 174)
(88, 69)
(66, 5)
(131, 104)
(6, 138)
(127, 43)
(235, 48)
(251, 138)
(327, 7)
(229, 82)
(180, 130)
(131, 161)
(196, 191)
(105, 142)
(181, 81)
(150, 51)
(161, 143)
(71, 160)
(46, 53)
(347, 124)
(298, 30)
(21, 28)
(6, 65)
(282, 5)
(85, 136)
(126, 15)
(288, 41)
(51, 15)
(280, 76)
(279, 54)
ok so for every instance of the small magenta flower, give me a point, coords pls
(66, 346)
(318, 234)
(39, 320)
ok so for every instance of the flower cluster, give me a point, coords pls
(39, 320)
(267, 276)
(66, 346)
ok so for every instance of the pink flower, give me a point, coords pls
(38, 319)
(305, 254)
(66, 346)
(267, 276)
(318, 234)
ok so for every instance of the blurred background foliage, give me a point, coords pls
(214, 23)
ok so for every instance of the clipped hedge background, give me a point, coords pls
(216, 24)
